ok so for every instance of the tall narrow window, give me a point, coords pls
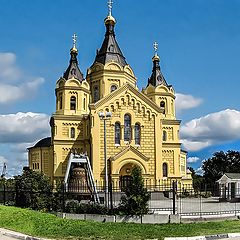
(95, 93)
(165, 170)
(164, 137)
(84, 103)
(73, 103)
(137, 133)
(117, 133)
(127, 127)
(162, 106)
(113, 88)
(60, 102)
(72, 132)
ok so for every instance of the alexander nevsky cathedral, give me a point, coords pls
(105, 116)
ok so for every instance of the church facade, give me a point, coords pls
(141, 126)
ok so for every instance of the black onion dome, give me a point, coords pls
(110, 51)
(157, 77)
(73, 70)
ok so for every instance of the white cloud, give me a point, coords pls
(23, 127)
(214, 128)
(14, 84)
(12, 93)
(9, 71)
(184, 102)
(199, 171)
(193, 159)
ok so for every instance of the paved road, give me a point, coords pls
(2, 237)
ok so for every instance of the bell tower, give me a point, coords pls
(110, 69)
(72, 91)
(70, 122)
(158, 90)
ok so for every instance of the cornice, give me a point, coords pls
(72, 88)
(171, 122)
(167, 145)
(71, 117)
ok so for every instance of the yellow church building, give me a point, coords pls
(141, 126)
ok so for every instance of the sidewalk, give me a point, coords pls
(17, 235)
(208, 237)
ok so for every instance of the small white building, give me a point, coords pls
(229, 186)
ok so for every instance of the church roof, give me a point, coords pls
(73, 70)
(157, 77)
(44, 142)
(110, 51)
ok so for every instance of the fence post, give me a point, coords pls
(174, 197)
(200, 207)
(4, 193)
(63, 197)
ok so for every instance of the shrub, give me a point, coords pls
(33, 190)
(135, 200)
(73, 206)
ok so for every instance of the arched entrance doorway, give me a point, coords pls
(125, 175)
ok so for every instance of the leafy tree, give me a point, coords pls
(220, 163)
(135, 200)
(33, 190)
(198, 180)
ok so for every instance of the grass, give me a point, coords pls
(49, 226)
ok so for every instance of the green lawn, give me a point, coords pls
(47, 225)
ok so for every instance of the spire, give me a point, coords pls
(110, 50)
(156, 78)
(73, 70)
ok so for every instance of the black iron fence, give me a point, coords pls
(169, 198)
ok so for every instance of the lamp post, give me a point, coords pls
(105, 116)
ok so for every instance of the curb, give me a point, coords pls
(208, 237)
(18, 235)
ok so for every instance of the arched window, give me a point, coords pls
(95, 93)
(164, 137)
(117, 133)
(37, 165)
(113, 87)
(73, 103)
(72, 132)
(137, 131)
(162, 106)
(165, 170)
(127, 127)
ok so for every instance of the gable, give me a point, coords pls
(129, 155)
(130, 96)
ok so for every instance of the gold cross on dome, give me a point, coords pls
(110, 3)
(74, 37)
(155, 46)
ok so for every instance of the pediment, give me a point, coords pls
(127, 91)
(130, 152)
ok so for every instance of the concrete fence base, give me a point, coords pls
(148, 218)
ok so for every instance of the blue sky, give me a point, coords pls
(198, 46)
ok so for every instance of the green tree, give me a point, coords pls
(198, 180)
(33, 190)
(220, 163)
(135, 200)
